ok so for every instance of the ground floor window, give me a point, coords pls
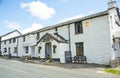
(26, 48)
(9, 50)
(15, 49)
(79, 49)
(5, 50)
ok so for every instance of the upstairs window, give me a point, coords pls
(4, 42)
(37, 36)
(14, 40)
(10, 41)
(23, 38)
(78, 27)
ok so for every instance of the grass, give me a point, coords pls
(112, 71)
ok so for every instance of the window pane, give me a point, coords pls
(78, 27)
(79, 49)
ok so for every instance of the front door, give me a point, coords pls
(48, 51)
(33, 51)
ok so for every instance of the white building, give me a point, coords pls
(95, 36)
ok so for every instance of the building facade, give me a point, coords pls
(95, 36)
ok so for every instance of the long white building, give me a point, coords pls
(95, 36)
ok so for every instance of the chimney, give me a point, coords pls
(112, 4)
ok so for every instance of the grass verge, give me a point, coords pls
(112, 71)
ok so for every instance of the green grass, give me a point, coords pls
(112, 71)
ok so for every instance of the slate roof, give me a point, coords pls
(72, 21)
(12, 32)
(56, 37)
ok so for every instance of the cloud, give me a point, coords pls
(39, 9)
(33, 27)
(71, 18)
(12, 25)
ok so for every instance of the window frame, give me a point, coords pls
(26, 49)
(38, 36)
(23, 38)
(15, 49)
(14, 40)
(80, 43)
(78, 27)
(9, 41)
(4, 42)
(5, 50)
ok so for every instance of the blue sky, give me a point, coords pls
(27, 15)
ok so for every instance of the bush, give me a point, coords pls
(50, 59)
(38, 58)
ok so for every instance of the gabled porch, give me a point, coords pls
(53, 46)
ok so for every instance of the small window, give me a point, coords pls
(78, 27)
(10, 41)
(79, 49)
(14, 40)
(5, 50)
(23, 38)
(38, 36)
(9, 50)
(15, 49)
(26, 49)
(39, 49)
(4, 42)
(56, 30)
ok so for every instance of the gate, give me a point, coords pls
(68, 57)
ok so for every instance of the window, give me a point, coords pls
(5, 50)
(15, 49)
(38, 36)
(14, 40)
(39, 49)
(4, 42)
(23, 38)
(9, 50)
(79, 49)
(78, 27)
(10, 41)
(56, 30)
(26, 49)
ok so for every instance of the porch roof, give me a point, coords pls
(54, 36)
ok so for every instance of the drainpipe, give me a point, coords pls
(69, 37)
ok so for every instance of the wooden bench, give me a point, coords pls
(80, 59)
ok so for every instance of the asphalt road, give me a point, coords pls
(17, 69)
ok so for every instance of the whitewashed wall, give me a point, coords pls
(115, 31)
(9, 45)
(96, 39)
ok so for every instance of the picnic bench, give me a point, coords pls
(80, 59)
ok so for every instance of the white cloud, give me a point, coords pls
(12, 25)
(71, 18)
(91, 12)
(33, 27)
(39, 9)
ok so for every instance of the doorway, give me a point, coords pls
(48, 50)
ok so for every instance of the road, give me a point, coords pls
(17, 69)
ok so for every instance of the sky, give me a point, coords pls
(30, 15)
